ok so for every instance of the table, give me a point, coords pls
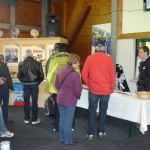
(124, 106)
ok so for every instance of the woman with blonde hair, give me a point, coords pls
(68, 82)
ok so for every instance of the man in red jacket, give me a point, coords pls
(99, 75)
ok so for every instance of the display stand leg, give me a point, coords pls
(130, 129)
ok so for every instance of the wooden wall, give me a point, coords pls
(100, 13)
(26, 13)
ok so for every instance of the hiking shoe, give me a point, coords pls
(101, 135)
(89, 137)
(36, 122)
(7, 134)
(26, 121)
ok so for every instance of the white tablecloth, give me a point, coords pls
(124, 106)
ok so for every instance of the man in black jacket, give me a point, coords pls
(143, 83)
(5, 88)
(30, 73)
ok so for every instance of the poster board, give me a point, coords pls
(11, 54)
(50, 47)
(37, 50)
(18, 95)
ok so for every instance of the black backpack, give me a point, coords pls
(49, 107)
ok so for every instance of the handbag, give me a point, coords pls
(49, 107)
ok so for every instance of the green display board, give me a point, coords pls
(9, 1)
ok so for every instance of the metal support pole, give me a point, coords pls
(12, 18)
(50, 7)
(130, 129)
(114, 14)
(44, 12)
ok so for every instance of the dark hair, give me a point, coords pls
(145, 49)
(63, 47)
(56, 46)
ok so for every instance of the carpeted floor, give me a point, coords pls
(42, 136)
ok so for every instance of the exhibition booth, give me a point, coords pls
(123, 106)
(14, 50)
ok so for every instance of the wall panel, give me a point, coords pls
(5, 12)
(28, 13)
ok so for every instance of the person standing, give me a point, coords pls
(54, 52)
(143, 83)
(5, 88)
(59, 60)
(99, 75)
(30, 73)
(3, 130)
(69, 84)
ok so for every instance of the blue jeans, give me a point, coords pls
(31, 90)
(2, 125)
(65, 123)
(4, 95)
(103, 105)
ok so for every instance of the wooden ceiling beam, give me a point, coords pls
(74, 17)
(79, 26)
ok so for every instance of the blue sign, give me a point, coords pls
(18, 92)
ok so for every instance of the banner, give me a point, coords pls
(18, 94)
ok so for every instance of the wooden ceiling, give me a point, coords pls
(57, 2)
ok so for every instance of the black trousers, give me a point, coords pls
(56, 125)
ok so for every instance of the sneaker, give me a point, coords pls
(55, 131)
(26, 121)
(36, 122)
(101, 135)
(89, 137)
(72, 130)
(7, 134)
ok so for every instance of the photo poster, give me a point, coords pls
(37, 50)
(11, 54)
(101, 33)
(50, 48)
(18, 94)
(138, 60)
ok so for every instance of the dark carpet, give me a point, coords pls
(42, 137)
